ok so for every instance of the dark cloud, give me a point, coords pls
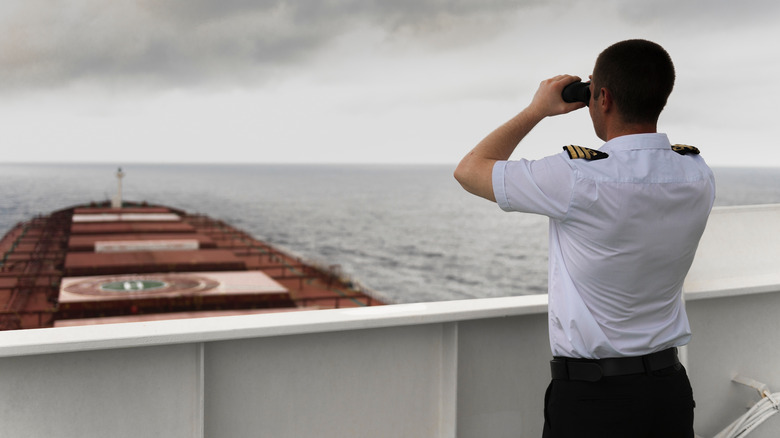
(723, 14)
(142, 43)
(181, 42)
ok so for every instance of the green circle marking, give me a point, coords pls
(132, 285)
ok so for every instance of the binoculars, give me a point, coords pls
(576, 92)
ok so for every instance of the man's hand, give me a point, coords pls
(475, 171)
(548, 102)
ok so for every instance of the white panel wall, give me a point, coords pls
(502, 398)
(148, 392)
(733, 335)
(383, 382)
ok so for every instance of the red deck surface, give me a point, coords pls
(86, 242)
(168, 316)
(108, 210)
(130, 227)
(80, 264)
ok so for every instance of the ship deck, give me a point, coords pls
(147, 242)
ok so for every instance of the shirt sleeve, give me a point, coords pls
(534, 186)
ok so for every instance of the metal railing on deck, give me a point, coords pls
(43, 262)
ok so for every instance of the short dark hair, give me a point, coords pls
(640, 76)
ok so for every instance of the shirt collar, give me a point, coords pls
(637, 141)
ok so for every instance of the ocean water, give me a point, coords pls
(410, 233)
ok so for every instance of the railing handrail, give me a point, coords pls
(138, 334)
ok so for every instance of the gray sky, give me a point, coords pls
(357, 81)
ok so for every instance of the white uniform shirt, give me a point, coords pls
(623, 233)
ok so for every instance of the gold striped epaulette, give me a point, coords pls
(575, 152)
(683, 149)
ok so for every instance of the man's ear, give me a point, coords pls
(605, 100)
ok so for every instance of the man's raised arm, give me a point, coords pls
(475, 171)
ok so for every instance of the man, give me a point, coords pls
(625, 222)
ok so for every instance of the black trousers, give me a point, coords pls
(655, 405)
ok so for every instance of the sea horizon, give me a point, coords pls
(408, 232)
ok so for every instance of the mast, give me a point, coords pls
(117, 201)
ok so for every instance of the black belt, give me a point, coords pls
(592, 370)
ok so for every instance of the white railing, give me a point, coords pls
(472, 368)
